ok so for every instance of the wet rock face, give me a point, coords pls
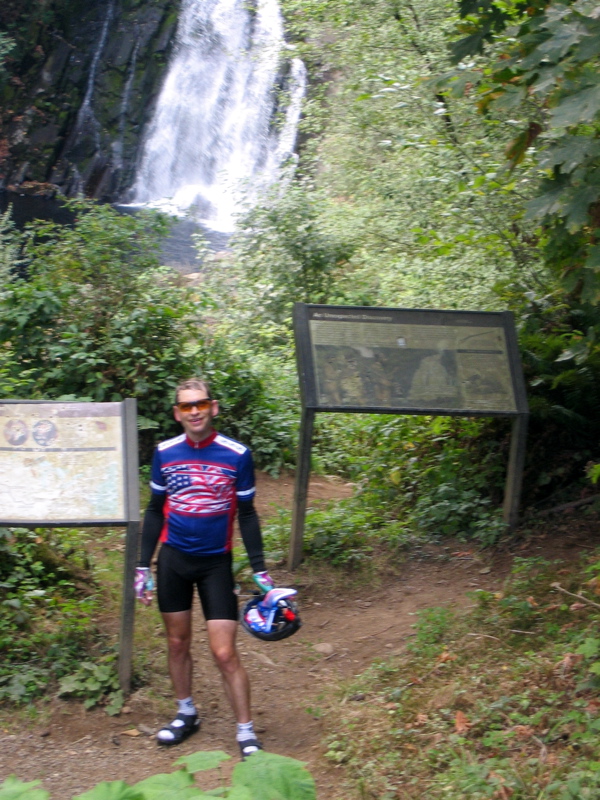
(81, 85)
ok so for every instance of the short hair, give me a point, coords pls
(192, 383)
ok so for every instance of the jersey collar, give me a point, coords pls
(204, 443)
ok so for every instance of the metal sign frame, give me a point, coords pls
(393, 342)
(130, 517)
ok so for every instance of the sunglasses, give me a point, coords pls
(201, 405)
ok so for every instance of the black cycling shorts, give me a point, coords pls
(178, 573)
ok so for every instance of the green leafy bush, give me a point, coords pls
(47, 609)
(265, 776)
(97, 683)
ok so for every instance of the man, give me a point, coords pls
(198, 479)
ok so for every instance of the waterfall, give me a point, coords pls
(117, 146)
(224, 121)
(85, 115)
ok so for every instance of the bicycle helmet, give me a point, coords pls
(271, 616)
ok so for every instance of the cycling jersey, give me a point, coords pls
(203, 482)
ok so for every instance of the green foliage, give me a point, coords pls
(547, 61)
(290, 252)
(559, 340)
(268, 776)
(490, 702)
(14, 789)
(196, 762)
(94, 317)
(265, 776)
(97, 683)
(45, 624)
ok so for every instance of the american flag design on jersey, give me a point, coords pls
(200, 488)
(203, 482)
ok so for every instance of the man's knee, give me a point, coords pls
(226, 657)
(179, 646)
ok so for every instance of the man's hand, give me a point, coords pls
(143, 584)
(264, 581)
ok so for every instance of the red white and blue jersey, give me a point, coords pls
(203, 482)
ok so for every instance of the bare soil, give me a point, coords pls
(345, 627)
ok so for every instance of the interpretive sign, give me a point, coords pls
(390, 360)
(407, 361)
(64, 464)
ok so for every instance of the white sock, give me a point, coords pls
(245, 731)
(186, 707)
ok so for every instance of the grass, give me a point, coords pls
(497, 702)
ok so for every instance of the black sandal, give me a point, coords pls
(249, 747)
(188, 724)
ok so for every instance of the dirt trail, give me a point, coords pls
(343, 631)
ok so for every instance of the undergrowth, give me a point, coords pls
(497, 702)
(47, 604)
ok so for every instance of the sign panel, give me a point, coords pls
(408, 361)
(62, 463)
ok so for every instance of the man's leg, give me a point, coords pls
(178, 627)
(221, 637)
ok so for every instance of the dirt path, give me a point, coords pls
(343, 631)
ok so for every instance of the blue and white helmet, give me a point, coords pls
(271, 616)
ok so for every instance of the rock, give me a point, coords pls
(325, 649)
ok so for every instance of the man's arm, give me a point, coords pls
(153, 523)
(251, 534)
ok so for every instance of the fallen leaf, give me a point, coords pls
(131, 732)
(146, 730)
(523, 731)
(461, 723)
(576, 606)
(485, 570)
(422, 719)
(446, 656)
(532, 602)
(567, 662)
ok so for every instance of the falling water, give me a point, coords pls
(213, 143)
(85, 115)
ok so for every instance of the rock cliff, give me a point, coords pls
(79, 86)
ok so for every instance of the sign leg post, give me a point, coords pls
(301, 488)
(128, 607)
(514, 476)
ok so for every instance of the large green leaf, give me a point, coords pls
(196, 762)
(570, 152)
(577, 210)
(177, 785)
(14, 789)
(272, 777)
(111, 790)
(546, 204)
(574, 109)
(240, 793)
(554, 48)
